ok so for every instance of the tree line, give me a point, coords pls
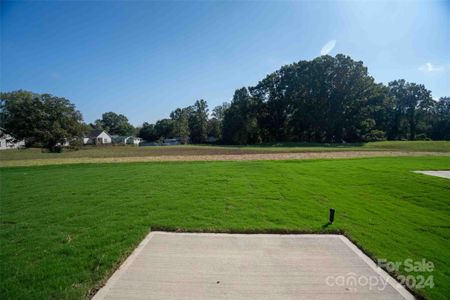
(326, 100)
(193, 124)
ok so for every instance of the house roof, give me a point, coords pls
(94, 133)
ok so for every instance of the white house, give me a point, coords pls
(126, 140)
(97, 137)
(8, 141)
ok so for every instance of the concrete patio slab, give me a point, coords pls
(443, 174)
(249, 266)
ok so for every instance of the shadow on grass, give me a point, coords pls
(324, 230)
(325, 226)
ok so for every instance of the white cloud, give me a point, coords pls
(430, 68)
(328, 47)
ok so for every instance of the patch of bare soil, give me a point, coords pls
(221, 157)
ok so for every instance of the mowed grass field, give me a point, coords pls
(65, 228)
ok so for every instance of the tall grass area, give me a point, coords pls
(65, 228)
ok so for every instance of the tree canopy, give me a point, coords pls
(116, 124)
(328, 99)
(40, 119)
(198, 122)
(180, 118)
(333, 100)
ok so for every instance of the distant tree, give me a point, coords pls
(180, 118)
(40, 119)
(86, 128)
(273, 111)
(328, 99)
(215, 128)
(412, 103)
(148, 132)
(98, 124)
(240, 124)
(198, 122)
(115, 124)
(441, 120)
(164, 128)
(215, 123)
(220, 110)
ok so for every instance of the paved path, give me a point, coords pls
(249, 266)
(443, 174)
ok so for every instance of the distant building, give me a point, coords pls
(97, 137)
(8, 141)
(126, 140)
(171, 142)
(175, 141)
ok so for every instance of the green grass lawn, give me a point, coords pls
(132, 151)
(65, 228)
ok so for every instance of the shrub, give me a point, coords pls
(375, 136)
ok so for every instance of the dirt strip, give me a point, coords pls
(236, 157)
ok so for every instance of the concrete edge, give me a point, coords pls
(102, 292)
(434, 173)
(394, 283)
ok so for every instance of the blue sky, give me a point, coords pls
(144, 59)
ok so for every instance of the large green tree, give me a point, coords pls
(40, 119)
(240, 123)
(198, 122)
(148, 132)
(412, 103)
(180, 118)
(116, 124)
(328, 99)
(219, 111)
(214, 129)
(164, 128)
(215, 123)
(441, 120)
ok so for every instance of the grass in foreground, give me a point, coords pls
(200, 150)
(64, 228)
